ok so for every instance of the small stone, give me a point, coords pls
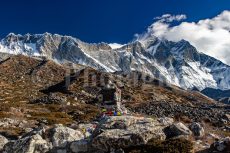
(227, 116)
(197, 129)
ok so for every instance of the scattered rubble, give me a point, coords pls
(217, 116)
(50, 99)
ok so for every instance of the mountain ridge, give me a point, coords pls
(178, 63)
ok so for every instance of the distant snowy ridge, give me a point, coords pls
(115, 45)
(178, 63)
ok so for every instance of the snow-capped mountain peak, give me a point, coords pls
(178, 63)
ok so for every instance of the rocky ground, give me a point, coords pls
(41, 112)
(117, 134)
(214, 114)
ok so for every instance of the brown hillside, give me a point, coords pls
(44, 92)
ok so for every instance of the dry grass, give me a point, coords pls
(11, 132)
(182, 118)
(168, 146)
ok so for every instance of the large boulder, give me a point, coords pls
(197, 129)
(3, 141)
(61, 136)
(29, 144)
(124, 131)
(177, 129)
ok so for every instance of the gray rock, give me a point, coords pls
(197, 129)
(62, 135)
(30, 144)
(227, 116)
(177, 129)
(3, 141)
(125, 131)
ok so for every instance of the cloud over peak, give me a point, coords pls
(210, 36)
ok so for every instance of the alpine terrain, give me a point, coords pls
(62, 95)
(178, 63)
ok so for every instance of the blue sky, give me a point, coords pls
(98, 20)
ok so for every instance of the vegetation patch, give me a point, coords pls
(11, 132)
(168, 146)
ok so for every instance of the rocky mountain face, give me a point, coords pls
(178, 63)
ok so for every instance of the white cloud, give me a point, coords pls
(210, 36)
(170, 18)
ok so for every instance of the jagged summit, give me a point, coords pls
(178, 63)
